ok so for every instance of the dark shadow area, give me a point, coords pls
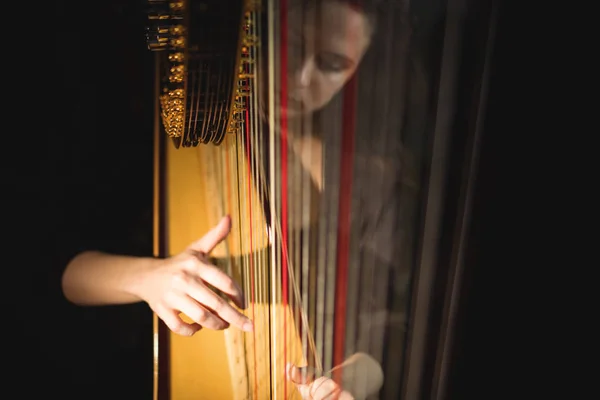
(80, 177)
(492, 357)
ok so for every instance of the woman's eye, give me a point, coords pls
(331, 62)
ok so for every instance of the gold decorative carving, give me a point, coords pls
(245, 67)
(173, 108)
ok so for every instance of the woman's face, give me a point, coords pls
(324, 50)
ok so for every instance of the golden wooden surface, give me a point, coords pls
(203, 184)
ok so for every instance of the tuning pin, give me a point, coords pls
(157, 37)
(158, 10)
(164, 24)
(165, 10)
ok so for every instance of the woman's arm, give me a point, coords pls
(96, 278)
(177, 285)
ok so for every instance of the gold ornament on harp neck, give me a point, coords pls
(176, 57)
(176, 5)
(172, 104)
(250, 41)
(238, 106)
(177, 73)
(245, 68)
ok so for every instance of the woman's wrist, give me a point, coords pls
(138, 277)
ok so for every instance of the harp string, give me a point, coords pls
(304, 210)
(284, 211)
(283, 132)
(309, 293)
(272, 194)
(276, 220)
(259, 156)
(380, 145)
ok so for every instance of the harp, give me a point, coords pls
(335, 183)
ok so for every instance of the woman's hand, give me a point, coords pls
(180, 284)
(322, 388)
(361, 377)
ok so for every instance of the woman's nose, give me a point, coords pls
(303, 76)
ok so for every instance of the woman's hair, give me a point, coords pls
(372, 9)
(382, 111)
(381, 80)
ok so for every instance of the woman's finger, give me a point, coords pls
(213, 237)
(217, 305)
(220, 280)
(324, 389)
(174, 322)
(300, 375)
(313, 388)
(197, 313)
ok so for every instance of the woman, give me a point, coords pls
(327, 44)
(383, 185)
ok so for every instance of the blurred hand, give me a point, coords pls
(361, 377)
(322, 388)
